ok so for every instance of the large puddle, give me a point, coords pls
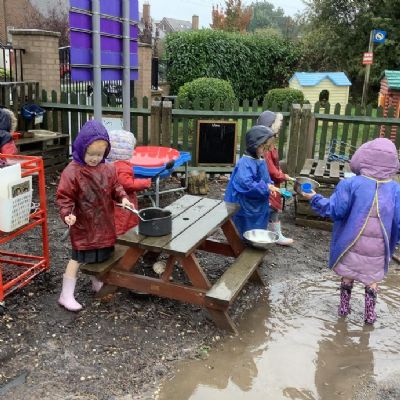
(292, 345)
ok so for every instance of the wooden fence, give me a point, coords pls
(307, 131)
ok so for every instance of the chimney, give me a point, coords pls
(195, 22)
(146, 13)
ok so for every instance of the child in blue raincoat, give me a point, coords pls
(250, 184)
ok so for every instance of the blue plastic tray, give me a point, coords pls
(147, 172)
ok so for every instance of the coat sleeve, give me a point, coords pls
(337, 206)
(397, 213)
(246, 184)
(275, 173)
(66, 193)
(127, 179)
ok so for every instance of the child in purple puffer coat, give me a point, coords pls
(366, 214)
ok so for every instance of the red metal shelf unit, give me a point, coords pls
(17, 270)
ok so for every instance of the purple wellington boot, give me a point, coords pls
(345, 296)
(370, 301)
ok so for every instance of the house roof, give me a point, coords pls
(393, 79)
(314, 78)
(178, 25)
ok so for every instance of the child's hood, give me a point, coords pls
(266, 118)
(5, 127)
(256, 136)
(377, 159)
(90, 132)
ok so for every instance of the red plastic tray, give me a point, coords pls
(153, 156)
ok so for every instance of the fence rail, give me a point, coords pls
(306, 132)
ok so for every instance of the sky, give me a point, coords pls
(184, 9)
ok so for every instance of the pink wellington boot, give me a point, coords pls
(370, 302)
(345, 296)
(67, 298)
(96, 284)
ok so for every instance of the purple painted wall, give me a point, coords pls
(111, 40)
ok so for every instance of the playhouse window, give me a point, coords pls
(324, 97)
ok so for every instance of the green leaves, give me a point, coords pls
(252, 63)
(202, 89)
(280, 96)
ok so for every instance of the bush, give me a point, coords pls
(5, 74)
(206, 88)
(252, 63)
(280, 96)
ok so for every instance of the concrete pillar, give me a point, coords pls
(195, 22)
(41, 60)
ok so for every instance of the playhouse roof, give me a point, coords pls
(314, 78)
(393, 79)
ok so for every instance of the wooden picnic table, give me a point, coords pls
(195, 219)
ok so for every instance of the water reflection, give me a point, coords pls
(344, 357)
(294, 346)
(231, 368)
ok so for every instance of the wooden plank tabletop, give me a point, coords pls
(37, 139)
(193, 219)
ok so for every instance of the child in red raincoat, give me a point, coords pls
(122, 146)
(8, 124)
(274, 121)
(85, 196)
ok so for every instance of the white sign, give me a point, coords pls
(113, 123)
(368, 58)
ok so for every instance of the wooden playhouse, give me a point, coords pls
(389, 97)
(332, 87)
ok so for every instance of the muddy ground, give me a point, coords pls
(124, 348)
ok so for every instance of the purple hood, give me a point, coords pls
(377, 159)
(90, 132)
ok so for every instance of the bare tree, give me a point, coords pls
(55, 20)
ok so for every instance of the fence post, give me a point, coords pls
(155, 123)
(306, 137)
(293, 142)
(166, 123)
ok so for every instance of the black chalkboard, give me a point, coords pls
(216, 142)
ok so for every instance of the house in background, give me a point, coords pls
(332, 87)
(170, 25)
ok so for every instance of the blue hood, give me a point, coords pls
(256, 136)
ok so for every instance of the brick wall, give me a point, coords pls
(143, 83)
(14, 13)
(41, 61)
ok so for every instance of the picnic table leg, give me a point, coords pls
(194, 272)
(233, 237)
(223, 320)
(125, 263)
(200, 280)
(256, 278)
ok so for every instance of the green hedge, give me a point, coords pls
(253, 63)
(280, 96)
(206, 88)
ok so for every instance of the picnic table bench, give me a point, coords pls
(195, 219)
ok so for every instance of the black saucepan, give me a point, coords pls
(154, 221)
